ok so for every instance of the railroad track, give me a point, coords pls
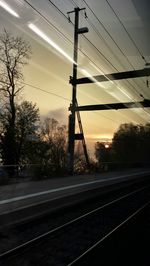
(72, 241)
(98, 253)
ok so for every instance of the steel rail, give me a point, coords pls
(109, 234)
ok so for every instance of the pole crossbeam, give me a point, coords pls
(115, 106)
(75, 109)
(114, 76)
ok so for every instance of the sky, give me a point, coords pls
(118, 40)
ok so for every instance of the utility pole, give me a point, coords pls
(72, 116)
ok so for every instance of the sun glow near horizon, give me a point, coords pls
(100, 137)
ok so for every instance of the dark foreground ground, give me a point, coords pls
(128, 246)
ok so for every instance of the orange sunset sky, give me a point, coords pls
(108, 49)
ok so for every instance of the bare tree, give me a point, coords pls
(14, 54)
(55, 135)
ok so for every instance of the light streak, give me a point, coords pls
(8, 9)
(86, 73)
(112, 82)
(49, 41)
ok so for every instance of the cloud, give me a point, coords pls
(60, 114)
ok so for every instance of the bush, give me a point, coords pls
(3, 177)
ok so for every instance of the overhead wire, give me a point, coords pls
(87, 40)
(49, 23)
(139, 94)
(102, 25)
(45, 91)
(62, 34)
(61, 97)
(120, 23)
(74, 3)
(128, 34)
(97, 32)
(58, 9)
(95, 28)
(55, 28)
(132, 40)
(95, 46)
(51, 2)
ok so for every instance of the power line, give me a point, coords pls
(51, 24)
(120, 23)
(84, 36)
(99, 35)
(48, 21)
(64, 34)
(74, 3)
(60, 32)
(59, 96)
(92, 45)
(104, 40)
(97, 32)
(126, 32)
(102, 25)
(45, 91)
(109, 117)
(57, 9)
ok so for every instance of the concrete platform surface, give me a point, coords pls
(29, 193)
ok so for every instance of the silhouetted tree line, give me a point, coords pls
(42, 146)
(130, 147)
(24, 141)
